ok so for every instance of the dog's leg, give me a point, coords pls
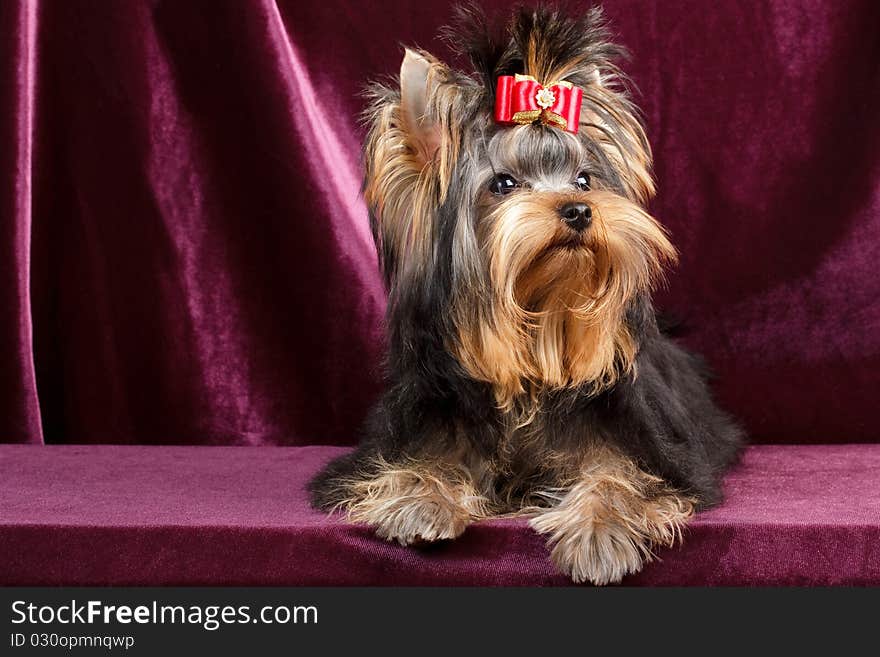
(606, 523)
(414, 501)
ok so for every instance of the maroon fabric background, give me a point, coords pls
(184, 255)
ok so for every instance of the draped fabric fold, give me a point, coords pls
(19, 407)
(185, 256)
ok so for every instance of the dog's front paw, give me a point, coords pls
(414, 505)
(601, 541)
(591, 550)
(410, 522)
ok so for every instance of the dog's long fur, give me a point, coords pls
(526, 370)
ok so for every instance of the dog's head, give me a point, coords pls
(516, 238)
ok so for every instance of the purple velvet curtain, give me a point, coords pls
(185, 256)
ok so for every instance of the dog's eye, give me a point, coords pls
(503, 183)
(582, 181)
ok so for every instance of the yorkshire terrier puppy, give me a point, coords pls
(526, 371)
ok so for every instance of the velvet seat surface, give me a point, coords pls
(95, 515)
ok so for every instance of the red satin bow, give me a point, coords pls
(521, 99)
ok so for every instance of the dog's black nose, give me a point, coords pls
(578, 216)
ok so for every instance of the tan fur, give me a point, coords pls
(542, 65)
(557, 317)
(605, 525)
(415, 501)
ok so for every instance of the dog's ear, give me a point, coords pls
(413, 144)
(419, 75)
(407, 161)
(434, 108)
